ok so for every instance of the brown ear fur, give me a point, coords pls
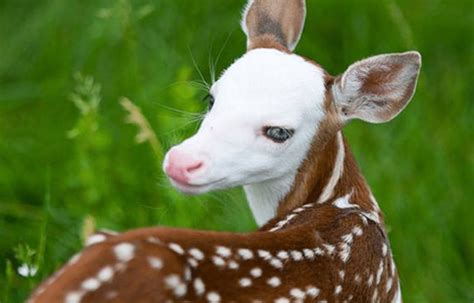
(270, 22)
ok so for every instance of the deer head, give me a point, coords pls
(271, 105)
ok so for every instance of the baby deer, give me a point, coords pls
(274, 126)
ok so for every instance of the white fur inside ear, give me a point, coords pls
(296, 40)
(377, 89)
(245, 12)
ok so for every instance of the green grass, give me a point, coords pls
(63, 161)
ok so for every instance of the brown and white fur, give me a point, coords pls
(276, 129)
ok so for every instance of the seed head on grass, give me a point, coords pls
(145, 131)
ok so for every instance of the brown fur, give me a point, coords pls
(267, 41)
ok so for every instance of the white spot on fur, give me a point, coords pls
(283, 222)
(196, 254)
(312, 291)
(124, 252)
(308, 253)
(297, 293)
(199, 286)
(223, 251)
(213, 297)
(357, 231)
(342, 274)
(174, 283)
(245, 282)
(264, 254)
(338, 290)
(154, 240)
(256, 272)
(296, 255)
(233, 265)
(176, 248)
(364, 219)
(155, 262)
(370, 280)
(274, 282)
(276, 263)
(343, 202)
(218, 261)
(318, 251)
(389, 285)
(398, 295)
(329, 248)
(379, 272)
(193, 262)
(74, 297)
(282, 255)
(74, 259)
(348, 238)
(337, 171)
(187, 274)
(375, 295)
(181, 290)
(94, 239)
(245, 254)
(282, 300)
(105, 274)
(90, 284)
(345, 252)
(384, 249)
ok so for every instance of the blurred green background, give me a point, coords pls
(69, 161)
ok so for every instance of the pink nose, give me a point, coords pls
(181, 167)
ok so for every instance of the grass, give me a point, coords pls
(70, 161)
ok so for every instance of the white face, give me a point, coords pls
(266, 93)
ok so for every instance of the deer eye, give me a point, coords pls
(210, 100)
(278, 134)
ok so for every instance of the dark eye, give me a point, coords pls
(278, 134)
(210, 100)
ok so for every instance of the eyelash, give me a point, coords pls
(278, 134)
(210, 100)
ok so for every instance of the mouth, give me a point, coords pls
(192, 189)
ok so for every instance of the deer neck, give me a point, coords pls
(264, 197)
(328, 172)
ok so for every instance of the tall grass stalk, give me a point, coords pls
(145, 131)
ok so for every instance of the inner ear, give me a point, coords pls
(274, 23)
(377, 89)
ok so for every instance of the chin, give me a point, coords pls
(190, 189)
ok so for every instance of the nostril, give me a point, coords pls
(194, 167)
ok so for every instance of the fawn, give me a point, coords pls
(274, 126)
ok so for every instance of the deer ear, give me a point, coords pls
(280, 21)
(377, 89)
